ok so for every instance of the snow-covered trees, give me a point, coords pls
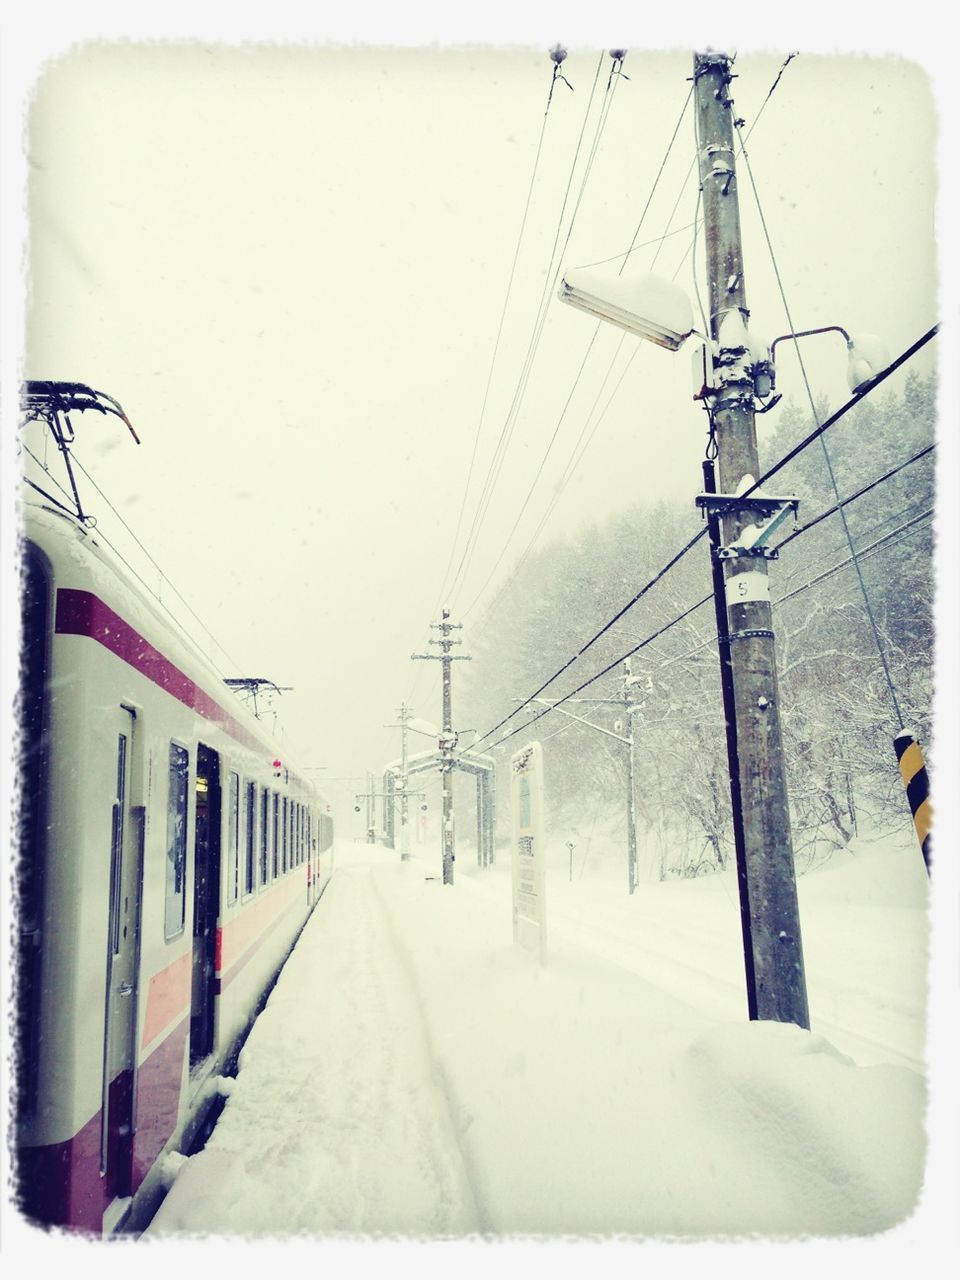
(838, 713)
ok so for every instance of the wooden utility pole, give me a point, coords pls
(769, 880)
(730, 720)
(448, 739)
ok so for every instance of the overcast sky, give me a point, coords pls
(289, 261)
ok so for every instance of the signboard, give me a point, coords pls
(529, 906)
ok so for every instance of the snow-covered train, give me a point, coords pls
(168, 857)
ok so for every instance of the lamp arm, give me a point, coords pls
(807, 333)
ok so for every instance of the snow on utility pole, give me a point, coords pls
(448, 739)
(770, 879)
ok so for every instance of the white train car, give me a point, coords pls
(168, 858)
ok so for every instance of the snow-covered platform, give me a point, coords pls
(415, 1074)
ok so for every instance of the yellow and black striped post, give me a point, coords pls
(914, 773)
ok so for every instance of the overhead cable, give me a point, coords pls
(503, 313)
(578, 452)
(856, 399)
(826, 455)
(510, 420)
(864, 552)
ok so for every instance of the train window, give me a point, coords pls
(276, 835)
(249, 866)
(233, 838)
(264, 837)
(174, 913)
(299, 834)
(116, 844)
(286, 832)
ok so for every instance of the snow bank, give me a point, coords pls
(597, 1103)
(845, 1142)
(414, 1075)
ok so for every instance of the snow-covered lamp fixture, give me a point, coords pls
(649, 306)
(867, 355)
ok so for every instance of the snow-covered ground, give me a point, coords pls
(415, 1074)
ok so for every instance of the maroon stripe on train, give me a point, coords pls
(60, 1184)
(81, 613)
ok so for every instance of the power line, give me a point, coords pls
(497, 464)
(579, 449)
(605, 111)
(688, 546)
(644, 244)
(536, 478)
(861, 554)
(887, 475)
(845, 408)
(659, 243)
(675, 559)
(904, 529)
(663, 162)
(506, 431)
(826, 455)
(163, 575)
(770, 91)
(91, 522)
(606, 670)
(571, 464)
(866, 551)
(50, 476)
(496, 345)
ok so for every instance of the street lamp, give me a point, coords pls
(655, 309)
(867, 356)
(659, 311)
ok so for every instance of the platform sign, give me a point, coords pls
(529, 906)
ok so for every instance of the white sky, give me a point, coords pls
(288, 262)
(293, 285)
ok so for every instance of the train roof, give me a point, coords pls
(82, 560)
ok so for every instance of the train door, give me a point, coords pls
(206, 904)
(123, 961)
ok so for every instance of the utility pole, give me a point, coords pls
(770, 879)
(629, 707)
(626, 700)
(404, 714)
(448, 739)
(370, 798)
(730, 720)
